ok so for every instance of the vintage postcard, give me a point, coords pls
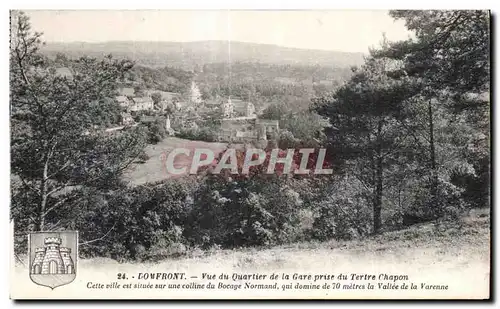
(257, 154)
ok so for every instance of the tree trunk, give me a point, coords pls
(43, 196)
(434, 176)
(43, 206)
(377, 203)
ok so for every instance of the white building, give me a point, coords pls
(228, 108)
(141, 103)
(123, 101)
(195, 94)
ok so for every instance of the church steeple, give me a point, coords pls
(195, 93)
(228, 108)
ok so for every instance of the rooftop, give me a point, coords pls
(268, 121)
(142, 99)
(121, 98)
(65, 72)
(126, 91)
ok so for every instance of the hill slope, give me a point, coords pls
(189, 54)
(154, 169)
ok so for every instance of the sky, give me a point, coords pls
(340, 30)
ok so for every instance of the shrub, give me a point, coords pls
(206, 134)
(287, 140)
(166, 244)
(338, 220)
(136, 222)
(156, 131)
(247, 212)
(448, 203)
(143, 157)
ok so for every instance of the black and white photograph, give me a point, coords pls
(250, 154)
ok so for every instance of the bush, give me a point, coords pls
(138, 222)
(143, 157)
(166, 244)
(286, 140)
(249, 212)
(206, 134)
(339, 219)
(156, 131)
(448, 204)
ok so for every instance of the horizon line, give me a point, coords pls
(201, 41)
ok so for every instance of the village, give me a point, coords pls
(238, 121)
(291, 152)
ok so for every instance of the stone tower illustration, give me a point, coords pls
(52, 261)
(69, 267)
(53, 258)
(36, 268)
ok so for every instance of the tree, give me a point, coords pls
(449, 59)
(306, 126)
(170, 108)
(364, 136)
(156, 97)
(156, 131)
(61, 59)
(274, 112)
(58, 144)
(450, 52)
(138, 91)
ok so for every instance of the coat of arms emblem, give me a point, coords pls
(53, 258)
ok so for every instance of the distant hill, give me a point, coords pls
(188, 55)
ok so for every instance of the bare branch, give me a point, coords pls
(59, 203)
(97, 239)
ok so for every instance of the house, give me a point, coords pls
(141, 103)
(148, 119)
(180, 104)
(165, 95)
(64, 72)
(242, 108)
(123, 101)
(247, 129)
(165, 120)
(268, 127)
(126, 119)
(250, 109)
(240, 123)
(126, 91)
(195, 94)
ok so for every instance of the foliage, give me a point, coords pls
(156, 131)
(206, 134)
(166, 78)
(450, 52)
(141, 222)
(304, 125)
(156, 97)
(364, 115)
(57, 142)
(233, 213)
(407, 135)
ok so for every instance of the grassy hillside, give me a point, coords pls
(457, 256)
(154, 168)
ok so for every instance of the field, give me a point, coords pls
(429, 255)
(154, 169)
